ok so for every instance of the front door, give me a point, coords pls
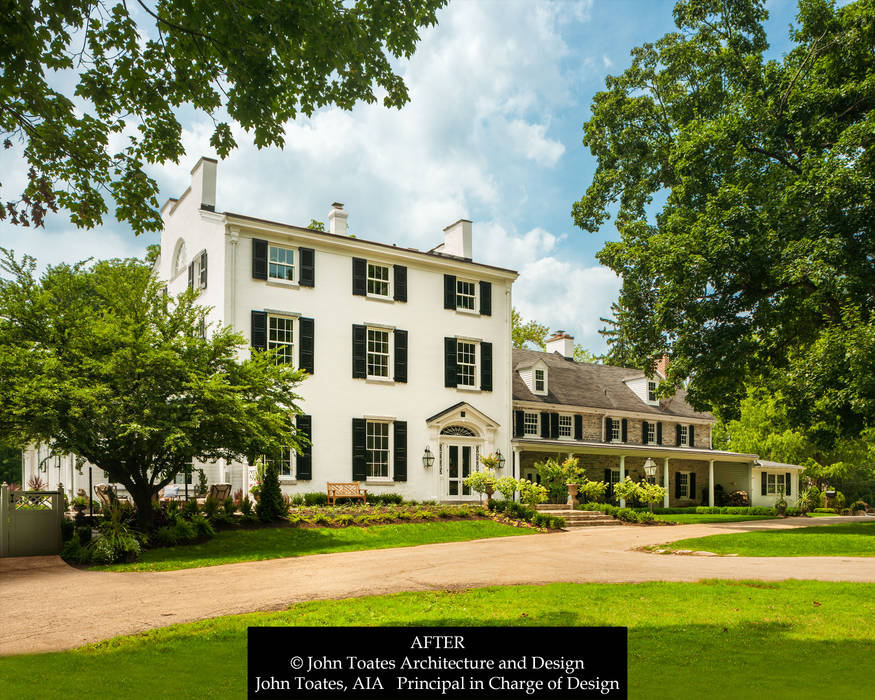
(459, 461)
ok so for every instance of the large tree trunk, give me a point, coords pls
(143, 495)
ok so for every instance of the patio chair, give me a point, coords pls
(219, 492)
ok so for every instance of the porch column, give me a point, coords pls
(711, 483)
(665, 482)
(515, 452)
(622, 476)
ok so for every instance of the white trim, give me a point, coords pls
(662, 416)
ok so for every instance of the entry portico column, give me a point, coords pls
(711, 483)
(515, 464)
(622, 477)
(665, 482)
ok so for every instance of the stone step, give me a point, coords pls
(552, 506)
(591, 523)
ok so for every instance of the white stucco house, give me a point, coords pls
(411, 372)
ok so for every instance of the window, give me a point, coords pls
(182, 478)
(378, 280)
(280, 335)
(530, 424)
(377, 447)
(281, 263)
(775, 483)
(284, 462)
(615, 431)
(565, 423)
(651, 392)
(684, 481)
(466, 293)
(378, 352)
(466, 363)
(539, 380)
(650, 438)
(685, 435)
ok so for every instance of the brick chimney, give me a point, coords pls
(662, 365)
(562, 343)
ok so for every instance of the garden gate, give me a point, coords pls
(30, 522)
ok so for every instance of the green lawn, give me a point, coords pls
(232, 546)
(823, 515)
(690, 518)
(726, 639)
(845, 540)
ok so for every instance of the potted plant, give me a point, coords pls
(781, 505)
(482, 481)
(572, 475)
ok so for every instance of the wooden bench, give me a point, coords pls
(342, 489)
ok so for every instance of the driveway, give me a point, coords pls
(47, 606)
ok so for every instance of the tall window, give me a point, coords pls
(281, 263)
(466, 363)
(281, 336)
(465, 295)
(684, 480)
(377, 449)
(615, 430)
(539, 380)
(378, 352)
(378, 280)
(530, 423)
(685, 435)
(565, 426)
(650, 438)
(775, 483)
(284, 462)
(651, 391)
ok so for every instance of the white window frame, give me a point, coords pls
(294, 331)
(179, 479)
(685, 436)
(289, 457)
(537, 431)
(376, 280)
(388, 354)
(651, 428)
(473, 296)
(475, 366)
(570, 425)
(294, 265)
(684, 484)
(616, 430)
(543, 388)
(772, 485)
(651, 393)
(369, 463)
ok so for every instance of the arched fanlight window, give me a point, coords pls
(179, 257)
(458, 431)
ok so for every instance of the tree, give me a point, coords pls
(316, 225)
(98, 362)
(10, 465)
(136, 65)
(760, 262)
(528, 332)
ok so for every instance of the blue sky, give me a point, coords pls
(500, 90)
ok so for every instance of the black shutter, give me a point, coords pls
(306, 326)
(451, 378)
(578, 427)
(400, 356)
(259, 259)
(259, 330)
(609, 428)
(307, 276)
(486, 366)
(693, 485)
(659, 433)
(692, 437)
(191, 275)
(400, 454)
(449, 291)
(545, 425)
(609, 494)
(304, 469)
(519, 423)
(677, 439)
(359, 454)
(359, 352)
(202, 282)
(787, 485)
(624, 430)
(359, 277)
(677, 484)
(644, 427)
(764, 484)
(486, 298)
(399, 293)
(554, 426)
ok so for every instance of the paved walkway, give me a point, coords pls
(46, 605)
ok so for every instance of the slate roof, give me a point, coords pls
(572, 383)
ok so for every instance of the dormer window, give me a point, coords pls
(651, 392)
(540, 380)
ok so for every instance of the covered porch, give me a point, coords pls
(691, 477)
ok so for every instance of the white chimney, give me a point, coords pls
(562, 343)
(337, 219)
(203, 183)
(457, 239)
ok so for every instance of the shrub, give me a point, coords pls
(180, 531)
(203, 526)
(73, 552)
(271, 507)
(531, 493)
(825, 510)
(554, 477)
(545, 520)
(211, 508)
(481, 481)
(382, 498)
(68, 528)
(246, 507)
(507, 486)
(229, 507)
(83, 534)
(117, 542)
(857, 506)
(316, 498)
(343, 519)
(190, 509)
(592, 491)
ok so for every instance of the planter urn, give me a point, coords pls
(573, 499)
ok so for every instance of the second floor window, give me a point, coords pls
(650, 438)
(465, 295)
(685, 435)
(378, 352)
(615, 431)
(539, 380)
(565, 426)
(281, 263)
(466, 363)
(378, 280)
(281, 335)
(530, 424)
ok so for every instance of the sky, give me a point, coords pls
(499, 91)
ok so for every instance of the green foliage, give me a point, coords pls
(317, 225)
(507, 486)
(10, 465)
(116, 543)
(271, 507)
(531, 493)
(68, 528)
(592, 490)
(133, 69)
(201, 483)
(530, 332)
(97, 361)
(481, 481)
(556, 475)
(758, 266)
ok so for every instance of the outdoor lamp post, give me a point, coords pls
(500, 459)
(650, 473)
(427, 458)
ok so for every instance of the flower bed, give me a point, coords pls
(364, 515)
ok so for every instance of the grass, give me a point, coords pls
(846, 540)
(823, 515)
(715, 639)
(231, 546)
(690, 518)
